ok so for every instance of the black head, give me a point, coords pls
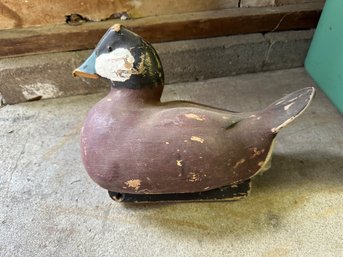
(124, 58)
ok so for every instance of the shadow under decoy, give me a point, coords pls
(284, 189)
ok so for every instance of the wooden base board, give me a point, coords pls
(224, 194)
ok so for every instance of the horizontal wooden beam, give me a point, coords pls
(58, 38)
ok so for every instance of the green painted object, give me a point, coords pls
(324, 61)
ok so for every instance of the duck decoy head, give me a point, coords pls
(124, 58)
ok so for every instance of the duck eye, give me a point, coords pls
(109, 49)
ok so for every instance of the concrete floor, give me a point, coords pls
(50, 207)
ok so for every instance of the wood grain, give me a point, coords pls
(56, 38)
(15, 14)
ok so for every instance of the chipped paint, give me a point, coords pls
(277, 129)
(197, 139)
(140, 69)
(167, 143)
(280, 102)
(266, 164)
(85, 151)
(193, 177)
(293, 99)
(225, 118)
(257, 152)
(308, 100)
(133, 183)
(185, 140)
(288, 106)
(109, 99)
(179, 163)
(116, 27)
(240, 162)
(116, 65)
(194, 116)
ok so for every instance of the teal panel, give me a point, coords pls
(324, 61)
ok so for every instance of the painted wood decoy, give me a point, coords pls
(142, 150)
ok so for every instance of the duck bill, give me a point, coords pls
(87, 69)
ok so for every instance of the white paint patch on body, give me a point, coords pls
(197, 139)
(194, 116)
(133, 183)
(240, 162)
(116, 65)
(44, 90)
(280, 102)
(193, 177)
(293, 99)
(288, 106)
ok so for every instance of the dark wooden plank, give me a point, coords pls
(283, 2)
(224, 194)
(59, 38)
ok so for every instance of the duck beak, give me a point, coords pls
(87, 69)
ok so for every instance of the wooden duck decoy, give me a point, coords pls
(142, 150)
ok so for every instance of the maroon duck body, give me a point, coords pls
(132, 143)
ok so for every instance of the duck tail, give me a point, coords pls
(283, 111)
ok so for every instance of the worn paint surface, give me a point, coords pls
(136, 144)
(147, 139)
(194, 116)
(133, 183)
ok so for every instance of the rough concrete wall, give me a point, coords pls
(49, 76)
(26, 13)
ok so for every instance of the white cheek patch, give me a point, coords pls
(116, 65)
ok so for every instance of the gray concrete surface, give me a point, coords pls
(287, 49)
(48, 75)
(49, 206)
